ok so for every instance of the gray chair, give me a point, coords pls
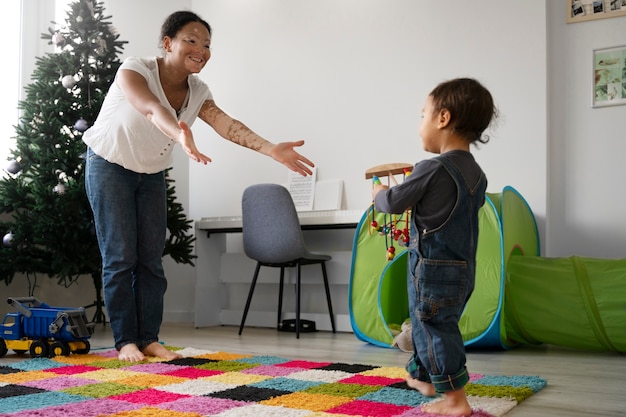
(272, 236)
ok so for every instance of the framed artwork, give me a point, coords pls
(583, 10)
(609, 76)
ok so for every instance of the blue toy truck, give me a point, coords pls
(43, 330)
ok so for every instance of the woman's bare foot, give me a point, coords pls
(426, 388)
(454, 404)
(158, 350)
(130, 353)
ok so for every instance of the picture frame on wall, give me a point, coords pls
(609, 76)
(584, 10)
(597, 6)
(577, 9)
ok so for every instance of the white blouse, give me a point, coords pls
(122, 135)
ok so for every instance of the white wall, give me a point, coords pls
(587, 145)
(350, 77)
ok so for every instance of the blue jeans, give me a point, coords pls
(130, 214)
(438, 292)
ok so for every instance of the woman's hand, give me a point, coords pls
(185, 138)
(236, 132)
(285, 153)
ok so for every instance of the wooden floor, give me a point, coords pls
(580, 383)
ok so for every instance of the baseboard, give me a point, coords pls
(269, 319)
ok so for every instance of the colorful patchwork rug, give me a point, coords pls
(209, 383)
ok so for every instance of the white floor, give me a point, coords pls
(580, 383)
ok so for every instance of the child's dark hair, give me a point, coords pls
(174, 23)
(470, 105)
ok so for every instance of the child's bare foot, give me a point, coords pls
(158, 350)
(130, 353)
(426, 388)
(454, 404)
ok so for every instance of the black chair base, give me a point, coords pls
(289, 325)
(280, 323)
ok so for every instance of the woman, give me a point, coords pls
(147, 111)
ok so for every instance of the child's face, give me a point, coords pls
(429, 131)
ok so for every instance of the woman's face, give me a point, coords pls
(191, 46)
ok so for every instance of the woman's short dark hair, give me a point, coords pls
(470, 105)
(175, 22)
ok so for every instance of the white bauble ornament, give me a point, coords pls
(68, 81)
(81, 125)
(13, 167)
(59, 188)
(58, 39)
(7, 240)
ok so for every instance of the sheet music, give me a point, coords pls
(302, 190)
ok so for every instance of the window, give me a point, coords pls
(25, 21)
(11, 68)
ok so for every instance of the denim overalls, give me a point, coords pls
(442, 266)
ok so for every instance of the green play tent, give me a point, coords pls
(378, 302)
(576, 302)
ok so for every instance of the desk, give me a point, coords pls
(216, 269)
(309, 220)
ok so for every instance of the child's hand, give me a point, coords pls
(378, 188)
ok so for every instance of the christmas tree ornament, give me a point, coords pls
(81, 125)
(58, 39)
(92, 11)
(13, 167)
(102, 47)
(7, 240)
(68, 81)
(61, 175)
(59, 188)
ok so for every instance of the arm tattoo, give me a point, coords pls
(242, 135)
(236, 131)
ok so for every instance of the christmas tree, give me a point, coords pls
(45, 218)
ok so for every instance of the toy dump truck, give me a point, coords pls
(43, 330)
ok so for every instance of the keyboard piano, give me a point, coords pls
(309, 220)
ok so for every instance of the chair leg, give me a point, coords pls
(252, 285)
(280, 295)
(298, 300)
(330, 304)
